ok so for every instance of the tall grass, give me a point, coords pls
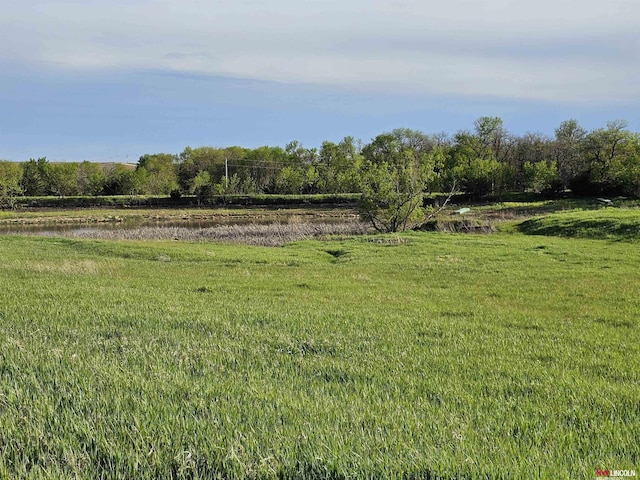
(271, 234)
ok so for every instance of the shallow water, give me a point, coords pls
(77, 228)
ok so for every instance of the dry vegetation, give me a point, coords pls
(274, 234)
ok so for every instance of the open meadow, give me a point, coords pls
(415, 355)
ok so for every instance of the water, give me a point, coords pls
(78, 228)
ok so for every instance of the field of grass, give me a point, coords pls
(605, 224)
(569, 217)
(421, 355)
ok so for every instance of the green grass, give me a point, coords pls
(421, 355)
(605, 224)
(568, 217)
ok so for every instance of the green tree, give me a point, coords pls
(542, 176)
(630, 175)
(531, 148)
(609, 158)
(10, 177)
(263, 165)
(479, 160)
(489, 140)
(240, 170)
(192, 161)
(398, 167)
(231, 186)
(35, 177)
(122, 180)
(298, 155)
(290, 180)
(297, 172)
(483, 176)
(91, 178)
(63, 179)
(492, 139)
(339, 166)
(567, 148)
(159, 173)
(201, 186)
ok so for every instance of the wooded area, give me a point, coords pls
(485, 160)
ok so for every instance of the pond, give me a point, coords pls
(52, 229)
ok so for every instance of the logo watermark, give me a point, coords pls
(600, 473)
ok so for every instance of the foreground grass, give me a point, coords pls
(418, 356)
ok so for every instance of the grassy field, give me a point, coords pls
(421, 355)
(495, 216)
(605, 224)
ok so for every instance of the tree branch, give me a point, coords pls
(453, 191)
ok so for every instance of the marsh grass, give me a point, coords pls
(272, 234)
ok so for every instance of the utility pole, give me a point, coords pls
(226, 173)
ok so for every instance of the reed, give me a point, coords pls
(272, 234)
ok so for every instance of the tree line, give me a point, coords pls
(486, 160)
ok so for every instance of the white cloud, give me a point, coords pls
(553, 50)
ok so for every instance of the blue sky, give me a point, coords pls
(111, 80)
